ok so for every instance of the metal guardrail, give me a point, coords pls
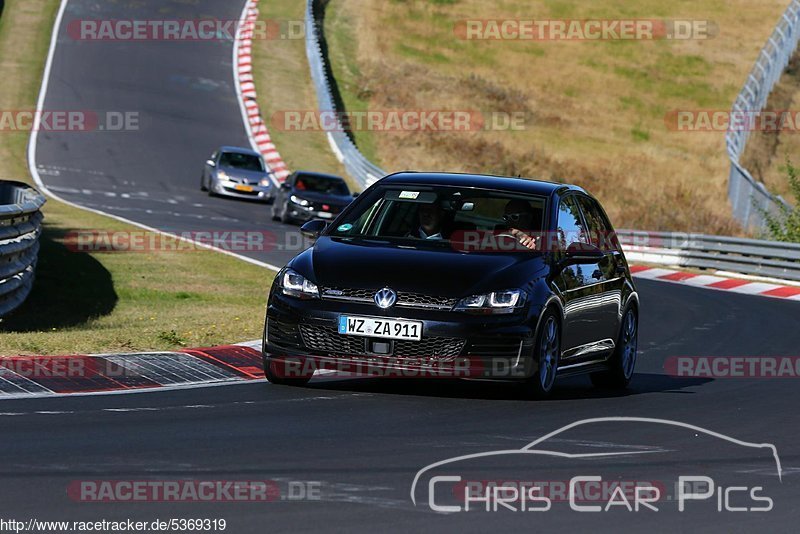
(363, 171)
(755, 257)
(749, 198)
(20, 226)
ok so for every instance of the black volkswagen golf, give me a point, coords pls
(458, 275)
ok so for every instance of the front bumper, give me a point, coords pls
(454, 344)
(305, 214)
(228, 188)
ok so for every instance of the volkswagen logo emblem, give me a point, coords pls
(385, 298)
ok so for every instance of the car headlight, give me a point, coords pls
(297, 285)
(299, 201)
(222, 175)
(265, 182)
(507, 301)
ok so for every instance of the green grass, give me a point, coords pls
(87, 303)
(639, 134)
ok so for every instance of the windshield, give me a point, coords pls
(439, 215)
(321, 184)
(245, 162)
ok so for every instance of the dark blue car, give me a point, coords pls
(458, 275)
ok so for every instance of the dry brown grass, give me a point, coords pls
(596, 109)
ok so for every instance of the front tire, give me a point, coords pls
(285, 219)
(275, 216)
(276, 373)
(547, 353)
(623, 361)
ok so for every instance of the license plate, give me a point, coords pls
(379, 327)
(244, 188)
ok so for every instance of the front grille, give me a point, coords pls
(329, 340)
(234, 190)
(244, 181)
(404, 299)
(317, 206)
(418, 300)
(283, 334)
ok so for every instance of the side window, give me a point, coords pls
(570, 226)
(399, 219)
(366, 220)
(601, 233)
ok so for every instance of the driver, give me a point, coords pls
(518, 216)
(430, 222)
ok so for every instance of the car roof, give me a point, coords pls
(318, 174)
(239, 150)
(483, 181)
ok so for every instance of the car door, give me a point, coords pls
(609, 272)
(579, 285)
(281, 193)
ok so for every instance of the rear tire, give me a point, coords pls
(547, 353)
(623, 361)
(275, 371)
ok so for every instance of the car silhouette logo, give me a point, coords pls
(385, 298)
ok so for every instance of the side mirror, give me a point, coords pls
(583, 253)
(210, 163)
(356, 194)
(312, 229)
(286, 186)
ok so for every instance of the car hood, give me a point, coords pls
(336, 200)
(251, 176)
(342, 263)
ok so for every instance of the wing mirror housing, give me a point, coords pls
(312, 229)
(211, 163)
(583, 253)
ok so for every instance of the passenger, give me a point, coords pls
(518, 216)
